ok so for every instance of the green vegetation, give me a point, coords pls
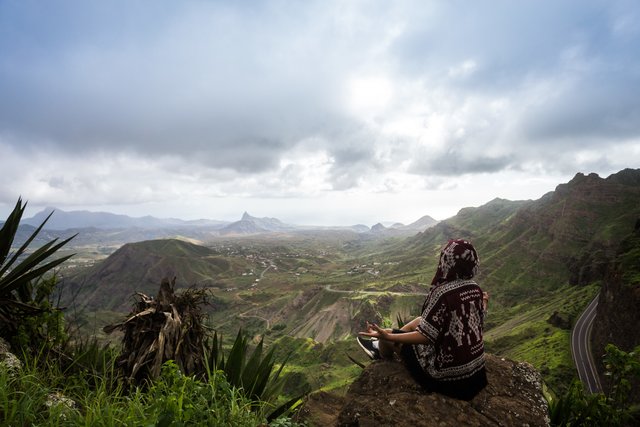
(42, 395)
(628, 261)
(254, 374)
(528, 332)
(66, 382)
(306, 294)
(579, 408)
(316, 366)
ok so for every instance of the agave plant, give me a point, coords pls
(255, 375)
(17, 275)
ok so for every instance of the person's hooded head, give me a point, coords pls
(458, 260)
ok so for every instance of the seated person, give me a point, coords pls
(443, 348)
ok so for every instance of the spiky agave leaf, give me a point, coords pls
(16, 301)
(28, 269)
(274, 386)
(252, 370)
(8, 232)
(253, 374)
(235, 361)
(215, 355)
(286, 408)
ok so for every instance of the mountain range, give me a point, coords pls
(97, 222)
(542, 261)
(64, 220)
(567, 236)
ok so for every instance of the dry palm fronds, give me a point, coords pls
(169, 327)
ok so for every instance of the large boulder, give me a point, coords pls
(385, 394)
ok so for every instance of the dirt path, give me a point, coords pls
(328, 288)
(245, 315)
(264, 271)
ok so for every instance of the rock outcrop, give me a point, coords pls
(385, 394)
(618, 312)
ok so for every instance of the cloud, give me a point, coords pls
(217, 79)
(591, 110)
(287, 99)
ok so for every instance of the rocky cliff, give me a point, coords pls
(385, 395)
(618, 313)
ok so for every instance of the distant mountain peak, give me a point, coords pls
(377, 228)
(250, 224)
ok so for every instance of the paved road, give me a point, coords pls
(581, 349)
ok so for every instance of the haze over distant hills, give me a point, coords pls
(104, 232)
(64, 220)
(571, 232)
(152, 227)
(420, 225)
(250, 225)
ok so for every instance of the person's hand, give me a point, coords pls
(485, 300)
(374, 331)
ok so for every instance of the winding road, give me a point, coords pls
(581, 349)
(328, 288)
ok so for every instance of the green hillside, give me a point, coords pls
(538, 258)
(542, 262)
(139, 267)
(529, 249)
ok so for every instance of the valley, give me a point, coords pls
(308, 292)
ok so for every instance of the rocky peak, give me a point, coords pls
(378, 228)
(386, 394)
(580, 177)
(626, 177)
(246, 217)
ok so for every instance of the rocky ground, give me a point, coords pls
(385, 395)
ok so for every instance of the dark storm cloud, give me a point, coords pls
(456, 163)
(237, 85)
(219, 80)
(509, 40)
(590, 112)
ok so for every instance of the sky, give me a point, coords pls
(314, 112)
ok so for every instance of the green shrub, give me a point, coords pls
(173, 399)
(178, 400)
(579, 408)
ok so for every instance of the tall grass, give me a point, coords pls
(36, 395)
